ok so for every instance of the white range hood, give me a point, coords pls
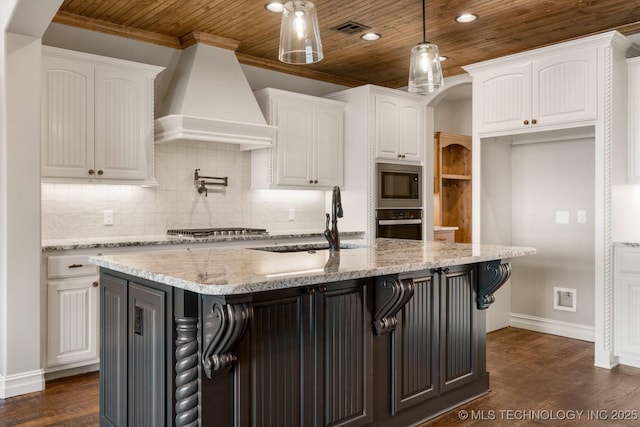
(209, 99)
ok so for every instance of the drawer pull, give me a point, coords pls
(75, 266)
(95, 284)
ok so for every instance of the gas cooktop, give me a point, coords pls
(211, 232)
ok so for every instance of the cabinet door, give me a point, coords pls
(564, 88)
(294, 146)
(343, 355)
(415, 348)
(275, 385)
(458, 340)
(67, 118)
(72, 321)
(412, 130)
(387, 127)
(329, 146)
(146, 355)
(113, 351)
(122, 124)
(628, 318)
(504, 97)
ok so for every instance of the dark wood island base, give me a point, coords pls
(392, 350)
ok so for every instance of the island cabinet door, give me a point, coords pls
(414, 347)
(458, 327)
(113, 351)
(343, 353)
(275, 367)
(147, 359)
(136, 346)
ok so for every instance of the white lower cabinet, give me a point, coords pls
(72, 289)
(627, 304)
(72, 314)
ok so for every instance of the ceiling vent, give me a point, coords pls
(350, 27)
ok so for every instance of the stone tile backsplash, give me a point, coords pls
(77, 210)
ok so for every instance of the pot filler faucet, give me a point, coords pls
(332, 235)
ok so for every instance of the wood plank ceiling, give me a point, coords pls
(504, 27)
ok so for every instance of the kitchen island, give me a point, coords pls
(388, 335)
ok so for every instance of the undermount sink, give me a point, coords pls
(306, 247)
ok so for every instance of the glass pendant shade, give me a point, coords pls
(425, 71)
(299, 34)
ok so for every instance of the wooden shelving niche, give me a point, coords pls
(452, 183)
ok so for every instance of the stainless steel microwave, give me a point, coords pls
(399, 186)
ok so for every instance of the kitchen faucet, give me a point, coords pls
(332, 235)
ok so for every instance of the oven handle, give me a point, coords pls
(399, 221)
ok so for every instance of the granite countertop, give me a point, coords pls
(128, 241)
(628, 244)
(233, 271)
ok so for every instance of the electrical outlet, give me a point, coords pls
(564, 299)
(292, 214)
(108, 217)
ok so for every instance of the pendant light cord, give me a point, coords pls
(424, 21)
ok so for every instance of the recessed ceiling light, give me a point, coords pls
(466, 18)
(274, 6)
(370, 36)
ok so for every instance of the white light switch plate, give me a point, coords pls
(562, 217)
(292, 214)
(582, 217)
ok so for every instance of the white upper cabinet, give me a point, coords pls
(97, 118)
(634, 120)
(308, 150)
(538, 94)
(399, 128)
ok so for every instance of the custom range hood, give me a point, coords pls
(209, 99)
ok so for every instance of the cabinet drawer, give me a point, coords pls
(444, 236)
(62, 266)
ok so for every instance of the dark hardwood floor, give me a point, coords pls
(536, 379)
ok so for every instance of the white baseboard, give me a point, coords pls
(554, 327)
(22, 383)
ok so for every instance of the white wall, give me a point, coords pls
(23, 23)
(453, 116)
(546, 178)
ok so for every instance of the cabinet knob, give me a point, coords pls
(399, 156)
(315, 181)
(526, 122)
(322, 289)
(534, 121)
(91, 172)
(310, 181)
(95, 284)
(403, 156)
(100, 172)
(311, 291)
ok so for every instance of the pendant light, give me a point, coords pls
(299, 33)
(425, 71)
